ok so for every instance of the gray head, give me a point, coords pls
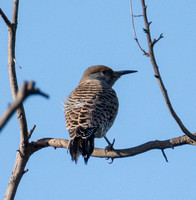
(104, 74)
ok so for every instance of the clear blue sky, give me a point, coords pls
(56, 42)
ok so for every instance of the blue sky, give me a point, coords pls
(56, 42)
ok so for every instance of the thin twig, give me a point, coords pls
(157, 73)
(17, 64)
(164, 155)
(137, 15)
(156, 40)
(134, 31)
(25, 171)
(31, 131)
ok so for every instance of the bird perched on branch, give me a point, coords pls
(91, 109)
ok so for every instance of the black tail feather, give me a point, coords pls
(74, 148)
(88, 148)
(79, 146)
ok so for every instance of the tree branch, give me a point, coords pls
(26, 149)
(31, 131)
(15, 13)
(23, 153)
(6, 20)
(12, 76)
(117, 153)
(151, 55)
(134, 31)
(18, 172)
(156, 40)
(27, 89)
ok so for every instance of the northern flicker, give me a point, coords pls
(91, 109)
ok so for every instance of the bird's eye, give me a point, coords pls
(103, 72)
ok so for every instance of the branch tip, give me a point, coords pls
(156, 40)
(17, 63)
(31, 131)
(146, 31)
(164, 155)
(25, 171)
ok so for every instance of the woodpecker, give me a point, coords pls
(90, 109)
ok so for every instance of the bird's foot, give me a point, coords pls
(110, 146)
(112, 159)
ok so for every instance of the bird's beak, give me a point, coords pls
(123, 72)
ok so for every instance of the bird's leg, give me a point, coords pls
(110, 145)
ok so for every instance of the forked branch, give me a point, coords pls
(134, 31)
(151, 55)
(23, 152)
(27, 89)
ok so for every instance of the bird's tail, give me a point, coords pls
(81, 146)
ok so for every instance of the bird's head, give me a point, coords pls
(104, 74)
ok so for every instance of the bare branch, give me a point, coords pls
(164, 155)
(26, 149)
(151, 55)
(17, 64)
(18, 172)
(12, 75)
(6, 20)
(15, 14)
(31, 131)
(134, 31)
(156, 40)
(25, 171)
(117, 153)
(27, 89)
(137, 15)
(20, 162)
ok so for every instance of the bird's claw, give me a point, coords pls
(112, 159)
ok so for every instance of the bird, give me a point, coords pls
(90, 110)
